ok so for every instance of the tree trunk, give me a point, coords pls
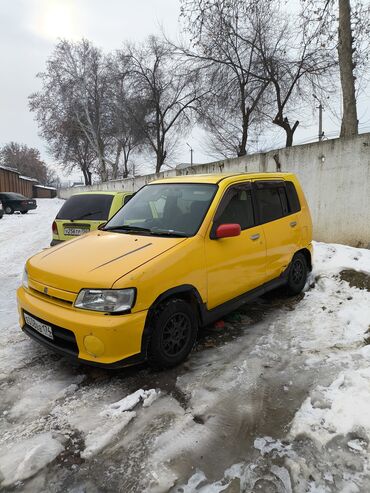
(161, 156)
(282, 122)
(242, 151)
(87, 176)
(115, 166)
(349, 125)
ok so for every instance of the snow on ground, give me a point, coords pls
(278, 401)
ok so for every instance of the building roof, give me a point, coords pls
(27, 178)
(43, 186)
(7, 168)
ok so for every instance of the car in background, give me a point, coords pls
(13, 202)
(1, 210)
(85, 212)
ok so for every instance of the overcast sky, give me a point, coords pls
(29, 30)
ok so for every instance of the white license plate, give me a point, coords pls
(75, 231)
(43, 329)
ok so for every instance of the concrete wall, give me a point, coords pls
(335, 176)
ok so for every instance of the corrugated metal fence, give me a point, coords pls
(12, 181)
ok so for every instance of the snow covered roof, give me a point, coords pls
(27, 178)
(7, 168)
(47, 188)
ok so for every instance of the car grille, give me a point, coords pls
(41, 294)
(64, 340)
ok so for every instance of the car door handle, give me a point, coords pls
(293, 224)
(255, 237)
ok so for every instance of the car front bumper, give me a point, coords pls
(110, 341)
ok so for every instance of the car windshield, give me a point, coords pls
(90, 207)
(168, 209)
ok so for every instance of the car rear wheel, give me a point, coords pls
(9, 210)
(297, 274)
(24, 212)
(174, 332)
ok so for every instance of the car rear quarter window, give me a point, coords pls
(92, 207)
(294, 205)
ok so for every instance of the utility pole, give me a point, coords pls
(320, 108)
(191, 154)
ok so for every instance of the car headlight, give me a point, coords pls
(25, 278)
(106, 300)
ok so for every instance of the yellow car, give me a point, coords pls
(180, 254)
(85, 212)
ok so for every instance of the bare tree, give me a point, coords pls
(74, 92)
(224, 41)
(127, 111)
(26, 160)
(169, 92)
(345, 26)
(72, 149)
(294, 71)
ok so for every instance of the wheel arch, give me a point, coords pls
(186, 292)
(308, 257)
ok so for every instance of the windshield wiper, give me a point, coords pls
(154, 231)
(127, 228)
(168, 232)
(85, 215)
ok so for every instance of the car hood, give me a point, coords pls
(96, 259)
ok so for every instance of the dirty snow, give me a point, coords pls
(27, 457)
(276, 401)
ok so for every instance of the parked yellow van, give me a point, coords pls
(180, 254)
(84, 212)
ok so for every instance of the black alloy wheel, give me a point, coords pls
(174, 328)
(176, 334)
(297, 274)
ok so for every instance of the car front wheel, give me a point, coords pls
(9, 210)
(174, 332)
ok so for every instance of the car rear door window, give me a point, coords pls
(269, 202)
(92, 207)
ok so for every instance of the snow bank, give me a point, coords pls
(116, 417)
(129, 402)
(343, 408)
(332, 258)
(27, 457)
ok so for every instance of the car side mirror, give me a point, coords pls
(101, 226)
(228, 230)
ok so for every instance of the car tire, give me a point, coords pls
(24, 212)
(174, 331)
(297, 275)
(8, 209)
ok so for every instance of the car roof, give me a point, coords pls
(218, 177)
(101, 192)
